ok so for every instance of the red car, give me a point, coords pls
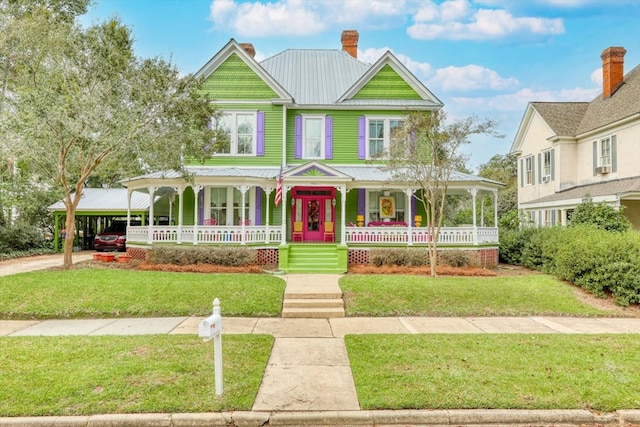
(113, 238)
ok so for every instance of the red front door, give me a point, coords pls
(314, 207)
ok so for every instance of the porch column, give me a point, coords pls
(563, 217)
(180, 191)
(409, 193)
(267, 191)
(283, 227)
(343, 214)
(243, 191)
(482, 211)
(196, 211)
(474, 192)
(172, 199)
(495, 208)
(152, 192)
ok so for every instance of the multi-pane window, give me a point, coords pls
(379, 134)
(528, 170)
(373, 210)
(604, 150)
(240, 131)
(313, 130)
(546, 163)
(226, 206)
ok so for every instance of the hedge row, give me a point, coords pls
(225, 256)
(417, 257)
(20, 239)
(602, 262)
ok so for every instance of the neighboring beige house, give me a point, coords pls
(567, 150)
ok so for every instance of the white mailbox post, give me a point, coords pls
(211, 328)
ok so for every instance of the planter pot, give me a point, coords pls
(97, 256)
(124, 258)
(108, 257)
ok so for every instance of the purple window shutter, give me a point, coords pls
(258, 206)
(260, 134)
(201, 207)
(298, 151)
(328, 137)
(362, 194)
(362, 148)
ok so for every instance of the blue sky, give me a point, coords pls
(479, 57)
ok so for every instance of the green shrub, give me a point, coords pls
(20, 238)
(398, 257)
(600, 215)
(229, 256)
(512, 243)
(454, 258)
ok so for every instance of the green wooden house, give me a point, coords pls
(294, 180)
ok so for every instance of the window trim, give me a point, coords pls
(400, 207)
(546, 166)
(528, 166)
(322, 119)
(600, 145)
(250, 199)
(386, 138)
(233, 143)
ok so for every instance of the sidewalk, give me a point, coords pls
(308, 379)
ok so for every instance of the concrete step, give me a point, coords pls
(313, 303)
(313, 295)
(314, 313)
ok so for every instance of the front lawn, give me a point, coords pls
(594, 372)
(405, 295)
(127, 374)
(99, 293)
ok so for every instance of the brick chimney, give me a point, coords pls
(612, 70)
(350, 42)
(248, 47)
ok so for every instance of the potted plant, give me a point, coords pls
(124, 257)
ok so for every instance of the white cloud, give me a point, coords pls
(456, 20)
(596, 76)
(471, 77)
(422, 70)
(285, 17)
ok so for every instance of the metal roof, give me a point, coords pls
(106, 199)
(315, 76)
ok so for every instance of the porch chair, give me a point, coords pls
(328, 232)
(297, 231)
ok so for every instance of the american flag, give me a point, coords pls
(279, 188)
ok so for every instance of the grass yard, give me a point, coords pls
(404, 295)
(85, 293)
(594, 372)
(134, 374)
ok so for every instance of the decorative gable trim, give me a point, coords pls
(316, 169)
(389, 59)
(234, 47)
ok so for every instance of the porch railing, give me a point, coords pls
(256, 234)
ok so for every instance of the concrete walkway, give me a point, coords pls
(309, 369)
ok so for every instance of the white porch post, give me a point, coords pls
(243, 191)
(172, 199)
(495, 208)
(180, 191)
(128, 208)
(474, 193)
(283, 227)
(409, 193)
(267, 192)
(196, 212)
(152, 191)
(482, 211)
(343, 215)
(563, 217)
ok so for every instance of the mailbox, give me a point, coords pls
(210, 327)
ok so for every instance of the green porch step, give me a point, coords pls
(314, 258)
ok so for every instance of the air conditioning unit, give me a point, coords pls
(605, 169)
(546, 178)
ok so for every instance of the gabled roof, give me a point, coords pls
(624, 102)
(314, 76)
(106, 200)
(234, 47)
(562, 117)
(430, 100)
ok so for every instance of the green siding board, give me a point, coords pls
(234, 79)
(387, 84)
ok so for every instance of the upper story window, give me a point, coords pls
(240, 128)
(604, 152)
(313, 137)
(546, 164)
(380, 131)
(528, 170)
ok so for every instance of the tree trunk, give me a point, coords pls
(70, 227)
